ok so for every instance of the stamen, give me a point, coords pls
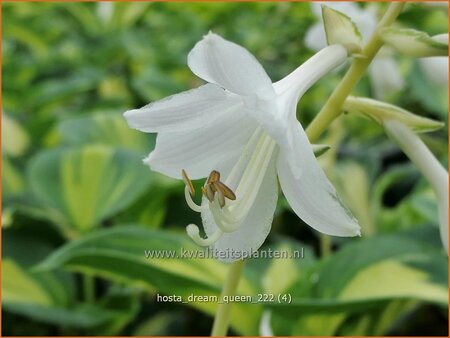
(224, 221)
(220, 197)
(227, 192)
(248, 187)
(188, 182)
(194, 206)
(213, 177)
(250, 170)
(208, 192)
(213, 186)
(253, 177)
(194, 233)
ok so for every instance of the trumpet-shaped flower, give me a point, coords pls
(241, 132)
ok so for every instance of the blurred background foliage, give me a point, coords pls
(79, 208)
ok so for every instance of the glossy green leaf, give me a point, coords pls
(120, 254)
(80, 187)
(19, 287)
(364, 275)
(44, 296)
(377, 322)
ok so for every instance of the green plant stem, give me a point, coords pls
(222, 319)
(333, 106)
(88, 288)
(325, 245)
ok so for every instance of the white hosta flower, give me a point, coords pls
(241, 132)
(384, 74)
(427, 164)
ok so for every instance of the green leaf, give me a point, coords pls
(19, 286)
(364, 275)
(377, 322)
(120, 254)
(80, 187)
(43, 296)
(83, 316)
(407, 278)
(109, 129)
(344, 266)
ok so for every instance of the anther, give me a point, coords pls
(188, 182)
(208, 192)
(227, 192)
(220, 197)
(213, 177)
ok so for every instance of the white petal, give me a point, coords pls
(385, 77)
(230, 66)
(436, 69)
(294, 85)
(311, 195)
(315, 38)
(188, 110)
(201, 150)
(274, 117)
(275, 120)
(255, 227)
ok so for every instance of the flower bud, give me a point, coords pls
(411, 42)
(382, 111)
(340, 29)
